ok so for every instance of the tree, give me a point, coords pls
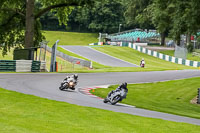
(137, 14)
(19, 20)
(104, 16)
(161, 12)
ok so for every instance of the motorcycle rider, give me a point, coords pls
(142, 63)
(123, 85)
(119, 88)
(117, 95)
(74, 76)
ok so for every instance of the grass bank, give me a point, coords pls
(189, 55)
(171, 96)
(20, 113)
(133, 56)
(70, 38)
(9, 56)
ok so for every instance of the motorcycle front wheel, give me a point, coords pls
(61, 88)
(115, 99)
(105, 100)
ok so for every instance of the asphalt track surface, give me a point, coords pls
(97, 56)
(46, 85)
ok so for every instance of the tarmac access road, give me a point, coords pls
(98, 56)
(46, 85)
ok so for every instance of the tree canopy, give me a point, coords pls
(19, 20)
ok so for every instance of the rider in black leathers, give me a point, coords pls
(123, 85)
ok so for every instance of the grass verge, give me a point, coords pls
(20, 113)
(171, 96)
(133, 56)
(189, 55)
(9, 55)
(70, 38)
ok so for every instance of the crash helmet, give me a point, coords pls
(124, 84)
(75, 76)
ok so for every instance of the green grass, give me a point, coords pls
(9, 55)
(20, 113)
(95, 64)
(63, 65)
(128, 54)
(171, 96)
(133, 56)
(70, 38)
(189, 55)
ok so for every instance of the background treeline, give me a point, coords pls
(168, 17)
(103, 16)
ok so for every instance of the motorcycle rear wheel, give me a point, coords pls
(115, 99)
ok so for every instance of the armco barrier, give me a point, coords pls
(164, 57)
(22, 66)
(7, 65)
(157, 54)
(35, 67)
(42, 66)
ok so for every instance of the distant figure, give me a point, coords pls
(142, 63)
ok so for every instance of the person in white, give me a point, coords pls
(142, 63)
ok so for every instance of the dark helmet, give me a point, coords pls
(124, 84)
(75, 76)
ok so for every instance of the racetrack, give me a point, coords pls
(46, 85)
(97, 56)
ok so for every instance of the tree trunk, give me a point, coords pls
(163, 38)
(178, 40)
(29, 34)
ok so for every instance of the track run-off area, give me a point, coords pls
(46, 85)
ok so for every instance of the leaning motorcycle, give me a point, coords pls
(69, 83)
(116, 96)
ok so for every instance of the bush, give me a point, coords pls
(190, 48)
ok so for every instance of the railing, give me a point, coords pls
(22, 66)
(7, 65)
(68, 58)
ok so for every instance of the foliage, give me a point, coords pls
(161, 12)
(137, 14)
(104, 16)
(11, 24)
(177, 17)
(190, 48)
(13, 20)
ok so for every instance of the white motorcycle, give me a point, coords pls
(116, 96)
(69, 83)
